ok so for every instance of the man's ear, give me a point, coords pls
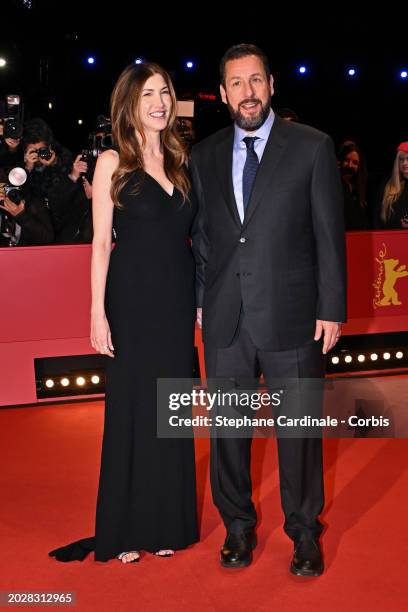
(271, 84)
(223, 94)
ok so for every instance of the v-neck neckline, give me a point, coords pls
(170, 195)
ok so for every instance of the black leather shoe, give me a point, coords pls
(237, 550)
(307, 558)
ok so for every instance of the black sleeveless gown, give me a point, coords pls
(146, 496)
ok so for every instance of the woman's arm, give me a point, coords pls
(102, 214)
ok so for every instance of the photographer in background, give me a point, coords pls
(47, 162)
(24, 217)
(75, 220)
(48, 165)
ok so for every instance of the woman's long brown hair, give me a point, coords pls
(126, 124)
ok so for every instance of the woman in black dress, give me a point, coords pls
(143, 313)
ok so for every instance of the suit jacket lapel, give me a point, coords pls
(224, 151)
(271, 156)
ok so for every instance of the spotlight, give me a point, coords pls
(50, 105)
(64, 382)
(361, 358)
(80, 122)
(95, 379)
(352, 72)
(139, 60)
(189, 65)
(335, 360)
(49, 383)
(302, 69)
(373, 356)
(3, 62)
(403, 74)
(348, 359)
(399, 355)
(91, 60)
(80, 381)
(386, 356)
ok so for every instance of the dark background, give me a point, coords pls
(47, 46)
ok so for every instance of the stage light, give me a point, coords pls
(49, 383)
(80, 122)
(91, 60)
(335, 360)
(373, 356)
(386, 356)
(95, 379)
(403, 74)
(348, 359)
(80, 381)
(50, 105)
(302, 69)
(189, 65)
(139, 60)
(64, 382)
(3, 62)
(352, 72)
(399, 355)
(361, 358)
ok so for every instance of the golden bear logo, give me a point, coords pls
(386, 294)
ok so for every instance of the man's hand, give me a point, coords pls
(30, 158)
(331, 333)
(12, 143)
(78, 167)
(11, 208)
(48, 162)
(199, 317)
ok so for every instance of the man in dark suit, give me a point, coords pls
(270, 251)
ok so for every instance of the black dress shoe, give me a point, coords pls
(237, 549)
(307, 558)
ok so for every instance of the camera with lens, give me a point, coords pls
(98, 141)
(44, 153)
(13, 193)
(90, 156)
(103, 124)
(13, 188)
(12, 128)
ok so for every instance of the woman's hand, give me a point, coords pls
(101, 339)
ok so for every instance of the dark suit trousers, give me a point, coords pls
(300, 459)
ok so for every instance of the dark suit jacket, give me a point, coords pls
(286, 263)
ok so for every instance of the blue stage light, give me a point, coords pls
(91, 60)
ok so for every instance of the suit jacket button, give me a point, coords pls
(242, 240)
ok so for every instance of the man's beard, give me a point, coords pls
(250, 124)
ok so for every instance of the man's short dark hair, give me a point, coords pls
(37, 130)
(243, 50)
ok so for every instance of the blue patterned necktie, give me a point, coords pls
(250, 169)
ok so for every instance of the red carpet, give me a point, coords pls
(49, 459)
